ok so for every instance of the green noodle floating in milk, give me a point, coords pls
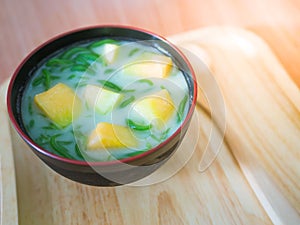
(104, 100)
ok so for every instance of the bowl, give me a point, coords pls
(101, 173)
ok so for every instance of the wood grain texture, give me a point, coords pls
(8, 193)
(262, 102)
(26, 24)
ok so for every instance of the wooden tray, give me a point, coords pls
(262, 118)
(8, 197)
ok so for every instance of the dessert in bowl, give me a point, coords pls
(104, 105)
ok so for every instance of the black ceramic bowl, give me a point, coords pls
(109, 173)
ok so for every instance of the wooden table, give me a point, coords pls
(26, 24)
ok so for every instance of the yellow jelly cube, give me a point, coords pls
(150, 65)
(107, 135)
(158, 107)
(101, 99)
(60, 104)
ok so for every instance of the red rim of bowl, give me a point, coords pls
(100, 163)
